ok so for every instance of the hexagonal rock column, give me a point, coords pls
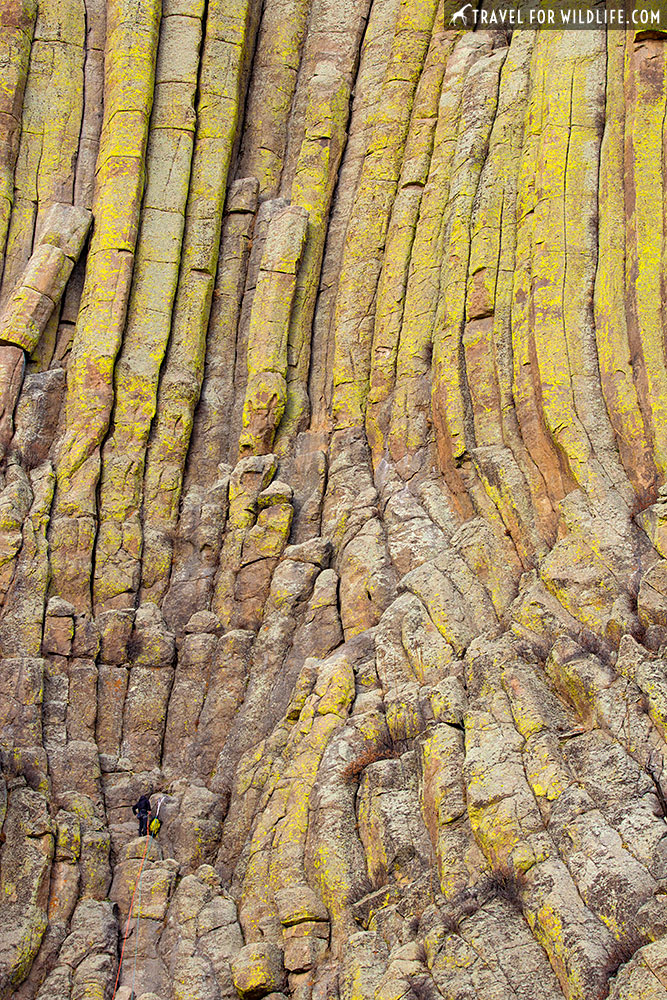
(29, 307)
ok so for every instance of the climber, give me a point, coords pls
(142, 810)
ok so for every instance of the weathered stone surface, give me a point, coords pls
(297, 904)
(266, 392)
(29, 307)
(258, 970)
(332, 512)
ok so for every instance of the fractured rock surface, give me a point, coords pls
(333, 514)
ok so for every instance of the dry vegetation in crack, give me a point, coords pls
(333, 514)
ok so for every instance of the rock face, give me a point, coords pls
(333, 442)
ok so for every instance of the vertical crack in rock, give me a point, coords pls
(332, 504)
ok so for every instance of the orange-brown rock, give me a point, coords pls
(333, 514)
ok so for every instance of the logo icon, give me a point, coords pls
(460, 15)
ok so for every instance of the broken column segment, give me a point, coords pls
(29, 308)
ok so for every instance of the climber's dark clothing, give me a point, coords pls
(141, 810)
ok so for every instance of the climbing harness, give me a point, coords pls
(137, 889)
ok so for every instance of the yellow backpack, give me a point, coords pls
(154, 827)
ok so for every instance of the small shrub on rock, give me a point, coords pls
(384, 748)
(503, 883)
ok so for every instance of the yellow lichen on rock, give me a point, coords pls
(367, 229)
(646, 93)
(168, 161)
(331, 503)
(276, 60)
(612, 327)
(266, 392)
(401, 235)
(450, 394)
(15, 42)
(312, 189)
(132, 36)
(225, 41)
(51, 122)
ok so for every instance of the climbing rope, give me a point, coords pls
(136, 938)
(129, 916)
(127, 925)
(136, 926)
